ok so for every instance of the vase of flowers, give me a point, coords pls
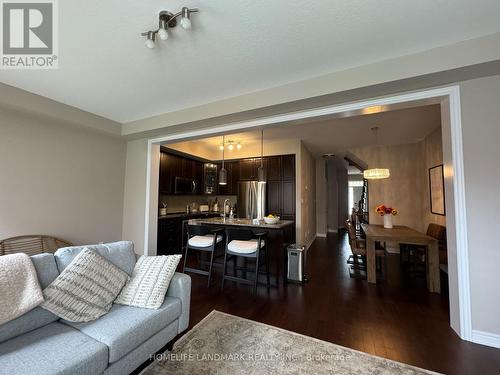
(387, 213)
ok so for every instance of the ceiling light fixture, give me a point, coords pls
(185, 19)
(168, 20)
(376, 173)
(231, 145)
(150, 40)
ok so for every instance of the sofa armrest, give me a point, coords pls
(180, 287)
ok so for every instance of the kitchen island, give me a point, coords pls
(278, 234)
(281, 224)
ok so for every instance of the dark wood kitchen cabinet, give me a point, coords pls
(233, 176)
(274, 172)
(275, 198)
(281, 198)
(168, 168)
(172, 166)
(288, 167)
(288, 208)
(248, 169)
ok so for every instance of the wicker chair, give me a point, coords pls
(32, 244)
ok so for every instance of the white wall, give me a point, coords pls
(321, 209)
(134, 202)
(481, 135)
(336, 193)
(59, 179)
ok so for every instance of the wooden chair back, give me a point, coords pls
(32, 244)
(438, 232)
(353, 241)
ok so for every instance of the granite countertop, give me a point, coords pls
(241, 222)
(173, 215)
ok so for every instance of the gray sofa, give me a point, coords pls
(117, 343)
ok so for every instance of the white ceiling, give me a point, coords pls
(332, 136)
(235, 47)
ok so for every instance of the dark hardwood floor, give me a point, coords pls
(401, 322)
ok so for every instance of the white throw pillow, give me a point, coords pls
(86, 289)
(149, 282)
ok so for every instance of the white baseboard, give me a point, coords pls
(486, 338)
(332, 231)
(321, 235)
(311, 241)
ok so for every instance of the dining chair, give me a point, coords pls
(249, 245)
(415, 256)
(204, 239)
(357, 260)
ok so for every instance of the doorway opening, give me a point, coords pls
(448, 101)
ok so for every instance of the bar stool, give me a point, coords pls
(207, 240)
(244, 243)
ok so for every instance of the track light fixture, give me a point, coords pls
(167, 21)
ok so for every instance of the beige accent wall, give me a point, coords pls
(432, 155)
(59, 179)
(404, 190)
(407, 189)
(307, 196)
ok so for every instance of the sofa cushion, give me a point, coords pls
(121, 254)
(125, 328)
(86, 289)
(46, 269)
(53, 349)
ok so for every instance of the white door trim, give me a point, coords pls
(436, 95)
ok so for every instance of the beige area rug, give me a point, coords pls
(227, 344)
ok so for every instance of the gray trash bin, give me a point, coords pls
(296, 263)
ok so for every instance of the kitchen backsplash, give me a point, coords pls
(178, 203)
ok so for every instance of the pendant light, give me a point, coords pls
(223, 172)
(262, 170)
(376, 173)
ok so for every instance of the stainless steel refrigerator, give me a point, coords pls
(251, 200)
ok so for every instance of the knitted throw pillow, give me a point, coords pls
(86, 289)
(149, 282)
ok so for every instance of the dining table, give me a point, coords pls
(402, 235)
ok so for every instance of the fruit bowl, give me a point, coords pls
(271, 220)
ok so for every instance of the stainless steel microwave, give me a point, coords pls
(185, 186)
